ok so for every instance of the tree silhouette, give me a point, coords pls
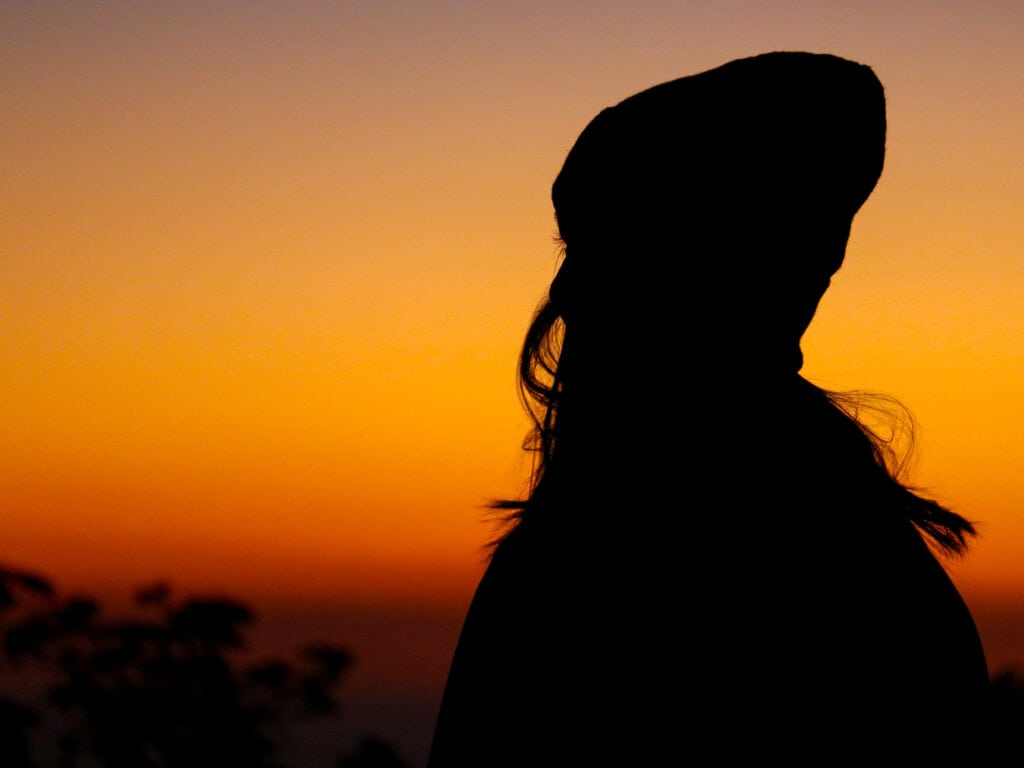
(166, 688)
(1007, 693)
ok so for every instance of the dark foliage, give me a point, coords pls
(1008, 718)
(169, 687)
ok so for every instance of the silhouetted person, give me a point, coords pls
(715, 564)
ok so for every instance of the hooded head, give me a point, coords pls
(725, 197)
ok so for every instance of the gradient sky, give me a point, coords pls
(265, 268)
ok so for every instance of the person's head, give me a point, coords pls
(715, 208)
(702, 220)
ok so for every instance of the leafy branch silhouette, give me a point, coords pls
(166, 688)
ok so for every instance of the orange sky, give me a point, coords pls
(265, 268)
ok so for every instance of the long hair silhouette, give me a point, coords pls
(542, 383)
(715, 556)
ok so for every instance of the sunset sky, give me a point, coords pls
(265, 268)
